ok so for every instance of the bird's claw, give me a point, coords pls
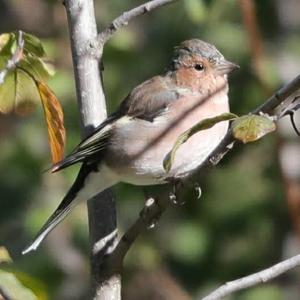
(145, 214)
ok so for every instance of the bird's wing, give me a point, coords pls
(91, 146)
(151, 98)
(147, 101)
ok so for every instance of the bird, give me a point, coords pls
(131, 144)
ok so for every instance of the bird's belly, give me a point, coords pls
(148, 168)
(138, 155)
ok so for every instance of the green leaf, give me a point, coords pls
(202, 125)
(4, 255)
(7, 44)
(19, 92)
(34, 284)
(252, 127)
(36, 68)
(8, 93)
(13, 288)
(33, 45)
(27, 95)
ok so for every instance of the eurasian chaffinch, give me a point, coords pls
(131, 144)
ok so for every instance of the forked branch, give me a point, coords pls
(96, 47)
(254, 279)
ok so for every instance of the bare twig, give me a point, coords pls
(254, 279)
(279, 97)
(290, 111)
(16, 57)
(96, 47)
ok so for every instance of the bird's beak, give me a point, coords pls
(226, 67)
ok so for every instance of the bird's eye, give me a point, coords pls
(199, 67)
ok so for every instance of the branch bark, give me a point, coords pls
(92, 106)
(96, 46)
(254, 279)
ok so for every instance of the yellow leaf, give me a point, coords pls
(4, 38)
(252, 127)
(55, 121)
(202, 125)
(4, 255)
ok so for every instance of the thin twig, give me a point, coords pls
(16, 57)
(254, 279)
(97, 46)
(290, 111)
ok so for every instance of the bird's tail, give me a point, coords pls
(67, 204)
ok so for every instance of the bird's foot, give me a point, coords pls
(150, 214)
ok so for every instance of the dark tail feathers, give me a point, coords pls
(63, 209)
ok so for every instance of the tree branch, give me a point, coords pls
(96, 46)
(267, 107)
(254, 279)
(92, 106)
(279, 97)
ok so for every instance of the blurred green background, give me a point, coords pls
(244, 220)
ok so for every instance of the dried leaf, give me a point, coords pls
(252, 127)
(54, 119)
(202, 125)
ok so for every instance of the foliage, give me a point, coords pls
(241, 222)
(250, 128)
(24, 72)
(12, 284)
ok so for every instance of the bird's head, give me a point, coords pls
(200, 64)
